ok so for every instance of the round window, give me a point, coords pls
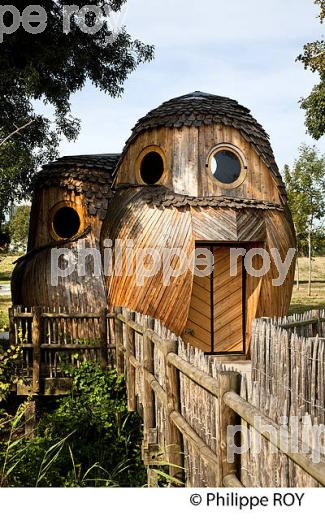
(152, 168)
(225, 166)
(66, 222)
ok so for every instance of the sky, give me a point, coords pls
(242, 49)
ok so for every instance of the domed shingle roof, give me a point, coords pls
(197, 109)
(90, 175)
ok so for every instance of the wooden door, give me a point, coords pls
(228, 304)
(198, 329)
(216, 317)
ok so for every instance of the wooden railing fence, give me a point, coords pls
(51, 338)
(188, 401)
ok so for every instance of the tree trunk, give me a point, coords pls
(310, 262)
(298, 274)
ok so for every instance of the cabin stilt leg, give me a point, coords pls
(30, 419)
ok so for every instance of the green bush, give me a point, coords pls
(90, 439)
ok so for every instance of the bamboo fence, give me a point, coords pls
(188, 400)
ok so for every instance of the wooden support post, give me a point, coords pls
(149, 419)
(150, 448)
(118, 333)
(173, 435)
(103, 339)
(30, 419)
(153, 481)
(36, 341)
(227, 381)
(130, 351)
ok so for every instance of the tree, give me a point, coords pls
(49, 67)
(313, 58)
(306, 194)
(19, 228)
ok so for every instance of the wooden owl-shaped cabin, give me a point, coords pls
(69, 205)
(199, 171)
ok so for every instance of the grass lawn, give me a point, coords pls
(301, 302)
(6, 267)
(5, 303)
(318, 269)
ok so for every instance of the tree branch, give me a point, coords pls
(16, 131)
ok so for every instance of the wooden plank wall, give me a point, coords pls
(187, 150)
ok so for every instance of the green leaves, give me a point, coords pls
(313, 58)
(49, 67)
(89, 439)
(306, 194)
(19, 228)
(8, 358)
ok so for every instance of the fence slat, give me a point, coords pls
(36, 340)
(130, 351)
(174, 438)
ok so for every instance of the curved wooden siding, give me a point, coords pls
(31, 280)
(130, 218)
(275, 301)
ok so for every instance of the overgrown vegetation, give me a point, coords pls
(89, 440)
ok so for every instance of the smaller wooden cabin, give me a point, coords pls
(199, 171)
(70, 201)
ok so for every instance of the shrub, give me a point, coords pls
(90, 439)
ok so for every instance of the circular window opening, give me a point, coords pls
(66, 222)
(152, 168)
(225, 166)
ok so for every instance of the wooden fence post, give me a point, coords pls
(148, 364)
(118, 337)
(227, 381)
(130, 351)
(173, 435)
(36, 341)
(103, 339)
(317, 326)
(150, 447)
